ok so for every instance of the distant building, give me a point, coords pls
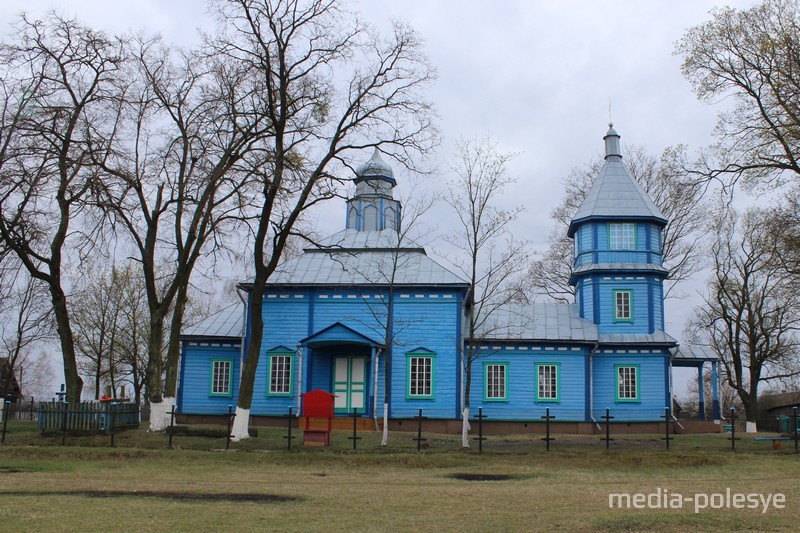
(325, 312)
(9, 386)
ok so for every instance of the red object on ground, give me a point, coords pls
(318, 415)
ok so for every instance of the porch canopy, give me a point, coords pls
(338, 333)
(697, 357)
(336, 359)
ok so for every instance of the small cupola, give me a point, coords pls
(373, 207)
(612, 143)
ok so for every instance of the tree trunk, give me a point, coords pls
(72, 379)
(245, 400)
(174, 348)
(159, 419)
(465, 426)
(385, 436)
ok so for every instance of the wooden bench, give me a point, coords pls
(776, 441)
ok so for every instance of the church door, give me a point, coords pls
(349, 383)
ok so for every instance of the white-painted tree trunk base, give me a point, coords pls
(160, 414)
(750, 427)
(241, 425)
(385, 437)
(465, 427)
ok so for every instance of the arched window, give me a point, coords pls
(351, 218)
(370, 218)
(389, 220)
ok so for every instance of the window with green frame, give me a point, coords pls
(623, 305)
(280, 374)
(622, 236)
(221, 377)
(627, 383)
(547, 382)
(420, 375)
(495, 382)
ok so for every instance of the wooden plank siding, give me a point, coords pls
(521, 403)
(422, 318)
(652, 386)
(195, 392)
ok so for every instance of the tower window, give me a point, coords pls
(622, 236)
(370, 218)
(622, 306)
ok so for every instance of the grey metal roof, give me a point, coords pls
(556, 322)
(538, 321)
(619, 268)
(351, 240)
(355, 257)
(224, 323)
(644, 268)
(658, 337)
(615, 194)
(688, 355)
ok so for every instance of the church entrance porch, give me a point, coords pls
(343, 362)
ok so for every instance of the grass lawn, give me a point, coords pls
(259, 486)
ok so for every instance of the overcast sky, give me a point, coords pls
(537, 75)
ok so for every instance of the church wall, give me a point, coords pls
(652, 392)
(521, 403)
(195, 391)
(641, 305)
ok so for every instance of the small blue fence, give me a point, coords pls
(87, 416)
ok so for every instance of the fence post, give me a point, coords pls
(608, 419)
(667, 416)
(112, 422)
(231, 416)
(289, 427)
(171, 424)
(733, 438)
(547, 418)
(480, 438)
(794, 425)
(355, 421)
(64, 424)
(6, 409)
(419, 438)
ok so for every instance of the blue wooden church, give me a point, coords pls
(327, 321)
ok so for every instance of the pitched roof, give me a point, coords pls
(557, 323)
(352, 258)
(614, 194)
(226, 323)
(538, 321)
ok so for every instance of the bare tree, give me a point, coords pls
(58, 78)
(187, 119)
(111, 319)
(750, 316)
(494, 258)
(95, 309)
(673, 190)
(752, 55)
(24, 323)
(331, 86)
